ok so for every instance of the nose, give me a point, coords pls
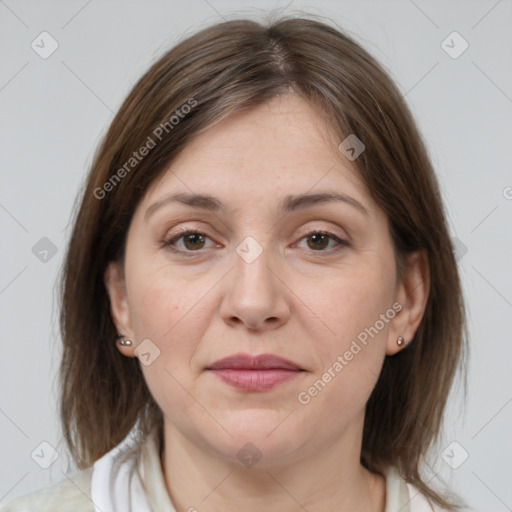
(255, 295)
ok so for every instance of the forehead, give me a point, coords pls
(281, 147)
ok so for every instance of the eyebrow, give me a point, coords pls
(287, 204)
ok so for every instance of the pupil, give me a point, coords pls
(322, 237)
(195, 239)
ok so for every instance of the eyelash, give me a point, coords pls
(169, 243)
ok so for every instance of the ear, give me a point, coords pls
(412, 295)
(119, 309)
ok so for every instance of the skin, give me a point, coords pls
(294, 300)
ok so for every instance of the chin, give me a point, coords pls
(258, 434)
(259, 424)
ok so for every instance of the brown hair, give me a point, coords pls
(222, 69)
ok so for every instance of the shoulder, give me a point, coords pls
(418, 501)
(72, 493)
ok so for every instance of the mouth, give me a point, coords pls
(255, 373)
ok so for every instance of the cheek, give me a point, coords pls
(158, 298)
(355, 309)
(172, 311)
(351, 351)
(155, 306)
(353, 301)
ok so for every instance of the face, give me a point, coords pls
(314, 283)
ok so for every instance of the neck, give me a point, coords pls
(329, 480)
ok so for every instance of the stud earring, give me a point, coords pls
(125, 343)
(400, 341)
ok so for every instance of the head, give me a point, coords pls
(253, 120)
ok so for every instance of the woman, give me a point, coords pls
(261, 307)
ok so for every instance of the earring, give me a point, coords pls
(125, 343)
(400, 341)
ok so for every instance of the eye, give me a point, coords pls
(319, 240)
(193, 241)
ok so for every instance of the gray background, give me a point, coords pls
(55, 110)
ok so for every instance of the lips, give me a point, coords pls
(259, 362)
(255, 373)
